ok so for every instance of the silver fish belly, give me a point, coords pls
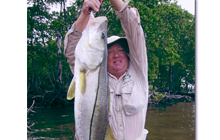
(91, 82)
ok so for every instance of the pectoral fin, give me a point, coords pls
(82, 81)
(109, 134)
(71, 90)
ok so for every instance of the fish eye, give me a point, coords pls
(103, 35)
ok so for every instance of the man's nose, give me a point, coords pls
(116, 54)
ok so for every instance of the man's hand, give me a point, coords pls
(89, 5)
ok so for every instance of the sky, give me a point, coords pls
(188, 5)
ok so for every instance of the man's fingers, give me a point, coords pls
(96, 4)
(92, 5)
(100, 1)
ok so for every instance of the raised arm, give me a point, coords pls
(130, 21)
(83, 19)
(118, 4)
(74, 34)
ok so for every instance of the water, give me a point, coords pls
(176, 122)
(164, 122)
(52, 123)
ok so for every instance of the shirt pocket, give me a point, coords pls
(130, 106)
(127, 87)
(132, 109)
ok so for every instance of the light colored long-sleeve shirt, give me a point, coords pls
(129, 93)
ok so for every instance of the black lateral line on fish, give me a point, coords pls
(105, 52)
(94, 107)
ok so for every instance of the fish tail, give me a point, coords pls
(109, 134)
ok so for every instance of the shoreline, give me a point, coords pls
(155, 98)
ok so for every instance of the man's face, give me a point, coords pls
(117, 60)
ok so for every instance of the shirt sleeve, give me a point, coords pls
(71, 39)
(130, 21)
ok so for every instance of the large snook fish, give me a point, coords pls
(90, 82)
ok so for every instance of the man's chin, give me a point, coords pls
(117, 67)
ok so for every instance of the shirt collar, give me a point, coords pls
(122, 76)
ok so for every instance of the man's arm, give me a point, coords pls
(118, 4)
(71, 39)
(83, 19)
(74, 34)
(130, 21)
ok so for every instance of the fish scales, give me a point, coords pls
(100, 118)
(91, 103)
(84, 105)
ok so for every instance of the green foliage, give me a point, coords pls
(158, 97)
(155, 98)
(169, 32)
(170, 41)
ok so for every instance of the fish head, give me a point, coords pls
(91, 46)
(97, 33)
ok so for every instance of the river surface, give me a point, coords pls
(164, 122)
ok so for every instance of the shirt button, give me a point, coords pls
(120, 124)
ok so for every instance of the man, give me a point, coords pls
(127, 69)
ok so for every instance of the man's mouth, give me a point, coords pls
(117, 61)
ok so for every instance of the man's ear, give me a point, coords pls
(128, 56)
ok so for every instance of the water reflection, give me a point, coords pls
(176, 122)
(52, 123)
(164, 122)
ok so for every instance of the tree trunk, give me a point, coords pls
(64, 11)
(59, 65)
(32, 57)
(45, 49)
(187, 90)
(160, 82)
(33, 82)
(171, 78)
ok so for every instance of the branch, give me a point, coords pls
(29, 128)
(30, 109)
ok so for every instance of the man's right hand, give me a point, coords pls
(94, 4)
(85, 13)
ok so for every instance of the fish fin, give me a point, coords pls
(75, 137)
(87, 72)
(82, 81)
(109, 134)
(71, 90)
